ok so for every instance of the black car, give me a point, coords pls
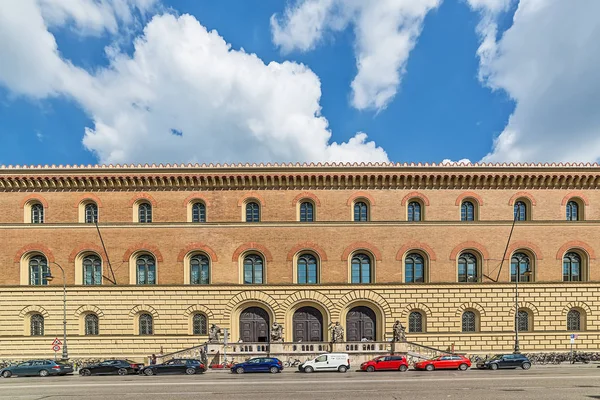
(109, 367)
(505, 361)
(37, 367)
(175, 366)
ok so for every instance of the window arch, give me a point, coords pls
(572, 267)
(307, 211)
(415, 322)
(37, 213)
(574, 320)
(469, 321)
(198, 212)
(415, 211)
(524, 320)
(146, 324)
(522, 263)
(254, 269)
(573, 211)
(361, 211)
(91, 213)
(414, 268)
(145, 267)
(467, 211)
(92, 270)
(92, 324)
(199, 324)
(468, 270)
(145, 212)
(36, 325)
(38, 270)
(361, 269)
(307, 267)
(521, 213)
(199, 269)
(252, 212)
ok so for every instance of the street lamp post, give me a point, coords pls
(65, 351)
(517, 350)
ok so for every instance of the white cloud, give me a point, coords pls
(385, 30)
(225, 105)
(547, 62)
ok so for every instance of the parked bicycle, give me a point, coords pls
(290, 363)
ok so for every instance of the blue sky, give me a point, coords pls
(451, 102)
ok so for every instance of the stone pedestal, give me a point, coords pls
(338, 348)
(276, 348)
(399, 348)
(214, 348)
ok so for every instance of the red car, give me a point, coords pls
(385, 363)
(444, 362)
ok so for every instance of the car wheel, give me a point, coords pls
(43, 373)
(308, 370)
(429, 367)
(370, 368)
(239, 370)
(463, 367)
(85, 372)
(149, 372)
(526, 365)
(273, 370)
(342, 368)
(190, 371)
(494, 366)
(122, 371)
(403, 368)
(6, 374)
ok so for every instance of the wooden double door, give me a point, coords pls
(361, 322)
(254, 325)
(308, 325)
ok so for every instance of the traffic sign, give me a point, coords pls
(56, 347)
(56, 342)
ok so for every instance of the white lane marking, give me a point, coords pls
(280, 382)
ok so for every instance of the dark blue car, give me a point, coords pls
(259, 364)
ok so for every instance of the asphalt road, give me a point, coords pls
(538, 383)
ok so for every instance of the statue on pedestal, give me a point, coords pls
(337, 333)
(276, 332)
(214, 334)
(399, 332)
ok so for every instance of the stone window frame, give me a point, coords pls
(187, 267)
(299, 209)
(190, 211)
(582, 319)
(476, 321)
(372, 260)
(423, 321)
(367, 203)
(84, 320)
(530, 321)
(426, 264)
(138, 323)
(192, 318)
(300, 254)
(253, 252)
(479, 264)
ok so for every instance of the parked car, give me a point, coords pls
(386, 363)
(259, 364)
(37, 367)
(175, 366)
(327, 362)
(444, 362)
(505, 361)
(119, 367)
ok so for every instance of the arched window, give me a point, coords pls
(415, 322)
(92, 270)
(572, 267)
(469, 322)
(572, 211)
(523, 321)
(307, 266)
(520, 211)
(573, 320)
(252, 212)
(37, 213)
(91, 324)
(467, 211)
(253, 269)
(146, 270)
(199, 270)
(145, 213)
(91, 213)
(361, 269)
(414, 268)
(361, 212)
(307, 212)
(199, 324)
(467, 268)
(520, 262)
(146, 327)
(38, 270)
(36, 323)
(414, 211)
(198, 212)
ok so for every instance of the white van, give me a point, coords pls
(327, 362)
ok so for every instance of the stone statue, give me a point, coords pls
(399, 332)
(276, 332)
(213, 334)
(337, 333)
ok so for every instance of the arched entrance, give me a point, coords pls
(308, 325)
(254, 325)
(361, 322)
